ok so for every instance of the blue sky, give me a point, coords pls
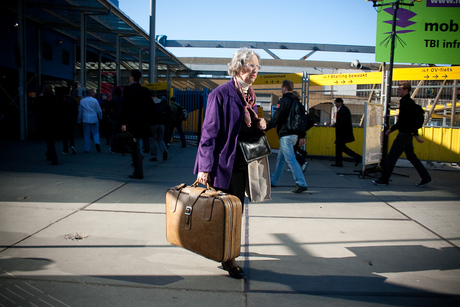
(350, 22)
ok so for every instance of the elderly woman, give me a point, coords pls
(231, 113)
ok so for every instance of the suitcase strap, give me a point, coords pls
(193, 197)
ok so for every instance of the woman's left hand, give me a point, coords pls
(262, 124)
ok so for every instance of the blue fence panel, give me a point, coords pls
(194, 101)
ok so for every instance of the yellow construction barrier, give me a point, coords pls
(441, 144)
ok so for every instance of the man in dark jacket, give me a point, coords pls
(288, 138)
(134, 118)
(50, 121)
(70, 117)
(403, 142)
(343, 134)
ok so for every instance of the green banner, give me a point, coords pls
(427, 32)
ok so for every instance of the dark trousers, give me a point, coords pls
(136, 155)
(342, 147)
(403, 143)
(238, 181)
(178, 126)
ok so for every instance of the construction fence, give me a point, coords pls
(436, 90)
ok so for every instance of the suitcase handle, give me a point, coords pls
(208, 187)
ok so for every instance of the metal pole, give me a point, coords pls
(22, 70)
(454, 104)
(395, 7)
(140, 62)
(39, 59)
(169, 81)
(118, 60)
(99, 75)
(83, 51)
(152, 65)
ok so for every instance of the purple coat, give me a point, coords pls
(221, 126)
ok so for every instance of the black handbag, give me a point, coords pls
(254, 146)
(122, 143)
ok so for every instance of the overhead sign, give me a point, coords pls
(277, 79)
(159, 86)
(399, 74)
(427, 73)
(427, 32)
(346, 79)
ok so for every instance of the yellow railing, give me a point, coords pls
(441, 144)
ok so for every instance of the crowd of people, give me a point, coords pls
(62, 113)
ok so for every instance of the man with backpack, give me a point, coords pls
(289, 135)
(177, 116)
(408, 124)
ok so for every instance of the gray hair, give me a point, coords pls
(239, 58)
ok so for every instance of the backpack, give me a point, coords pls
(419, 117)
(161, 113)
(298, 119)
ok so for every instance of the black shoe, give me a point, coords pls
(73, 150)
(379, 182)
(136, 177)
(235, 272)
(423, 183)
(154, 159)
(358, 160)
(337, 165)
(98, 148)
(165, 155)
(299, 189)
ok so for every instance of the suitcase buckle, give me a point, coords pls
(188, 210)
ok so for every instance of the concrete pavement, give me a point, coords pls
(83, 234)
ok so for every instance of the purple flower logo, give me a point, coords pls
(402, 21)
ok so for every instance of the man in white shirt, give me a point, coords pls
(89, 114)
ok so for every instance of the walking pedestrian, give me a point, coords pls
(160, 115)
(288, 139)
(230, 115)
(343, 134)
(89, 113)
(134, 119)
(403, 142)
(50, 121)
(176, 121)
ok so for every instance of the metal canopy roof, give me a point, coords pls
(104, 24)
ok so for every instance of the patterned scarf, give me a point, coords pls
(249, 100)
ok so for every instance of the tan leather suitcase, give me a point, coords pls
(204, 221)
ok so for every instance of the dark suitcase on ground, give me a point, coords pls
(204, 221)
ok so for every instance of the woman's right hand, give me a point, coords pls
(202, 178)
